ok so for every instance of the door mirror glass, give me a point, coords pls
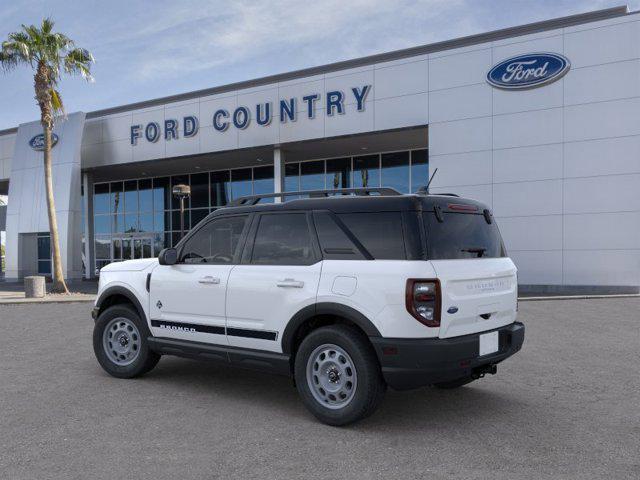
(168, 256)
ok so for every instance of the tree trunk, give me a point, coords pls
(42, 85)
(59, 285)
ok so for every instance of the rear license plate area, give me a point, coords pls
(489, 343)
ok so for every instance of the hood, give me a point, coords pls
(130, 265)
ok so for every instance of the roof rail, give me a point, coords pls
(250, 200)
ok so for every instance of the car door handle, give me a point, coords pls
(290, 283)
(209, 280)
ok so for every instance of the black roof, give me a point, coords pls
(358, 204)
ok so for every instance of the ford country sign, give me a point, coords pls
(37, 142)
(528, 71)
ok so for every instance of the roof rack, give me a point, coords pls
(250, 200)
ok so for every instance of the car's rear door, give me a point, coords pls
(278, 276)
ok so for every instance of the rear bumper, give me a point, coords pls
(411, 363)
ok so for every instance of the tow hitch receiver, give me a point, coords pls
(484, 370)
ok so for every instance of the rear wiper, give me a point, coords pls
(480, 251)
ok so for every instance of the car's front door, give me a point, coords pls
(187, 300)
(278, 276)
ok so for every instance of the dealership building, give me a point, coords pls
(541, 122)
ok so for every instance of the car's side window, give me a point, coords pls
(216, 242)
(283, 239)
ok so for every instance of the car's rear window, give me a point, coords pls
(462, 235)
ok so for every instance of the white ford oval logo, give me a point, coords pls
(37, 142)
(528, 71)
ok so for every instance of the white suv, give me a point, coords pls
(346, 291)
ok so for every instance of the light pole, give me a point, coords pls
(182, 192)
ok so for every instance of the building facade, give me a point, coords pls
(540, 122)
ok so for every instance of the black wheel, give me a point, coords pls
(120, 343)
(454, 383)
(338, 376)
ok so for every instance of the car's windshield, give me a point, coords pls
(462, 235)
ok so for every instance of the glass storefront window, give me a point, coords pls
(161, 194)
(395, 171)
(292, 177)
(102, 224)
(419, 169)
(339, 173)
(240, 182)
(131, 196)
(116, 197)
(366, 171)
(145, 222)
(101, 198)
(197, 215)
(145, 195)
(144, 210)
(220, 188)
(262, 180)
(200, 190)
(312, 175)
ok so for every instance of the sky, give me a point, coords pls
(148, 49)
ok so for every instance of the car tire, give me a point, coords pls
(460, 382)
(338, 376)
(120, 342)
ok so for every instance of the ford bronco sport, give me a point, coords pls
(346, 291)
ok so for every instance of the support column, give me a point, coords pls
(87, 205)
(278, 172)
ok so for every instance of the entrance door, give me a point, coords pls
(132, 247)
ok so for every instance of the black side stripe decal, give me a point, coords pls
(217, 330)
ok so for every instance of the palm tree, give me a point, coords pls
(48, 54)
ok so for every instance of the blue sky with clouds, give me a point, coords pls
(148, 49)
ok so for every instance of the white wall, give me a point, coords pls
(559, 164)
(27, 209)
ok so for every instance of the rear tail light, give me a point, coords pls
(423, 301)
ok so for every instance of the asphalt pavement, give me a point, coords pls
(567, 406)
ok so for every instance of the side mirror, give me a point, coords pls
(168, 256)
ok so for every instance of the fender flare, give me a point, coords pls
(125, 292)
(325, 308)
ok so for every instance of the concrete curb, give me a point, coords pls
(45, 300)
(577, 297)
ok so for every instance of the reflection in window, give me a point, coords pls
(131, 196)
(101, 198)
(339, 173)
(200, 190)
(366, 171)
(263, 180)
(312, 175)
(145, 195)
(395, 171)
(419, 169)
(116, 197)
(292, 177)
(220, 188)
(161, 194)
(240, 182)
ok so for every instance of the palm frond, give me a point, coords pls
(56, 101)
(78, 62)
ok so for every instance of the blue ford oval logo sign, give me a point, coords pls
(528, 71)
(37, 142)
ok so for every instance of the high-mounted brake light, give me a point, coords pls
(423, 301)
(461, 207)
